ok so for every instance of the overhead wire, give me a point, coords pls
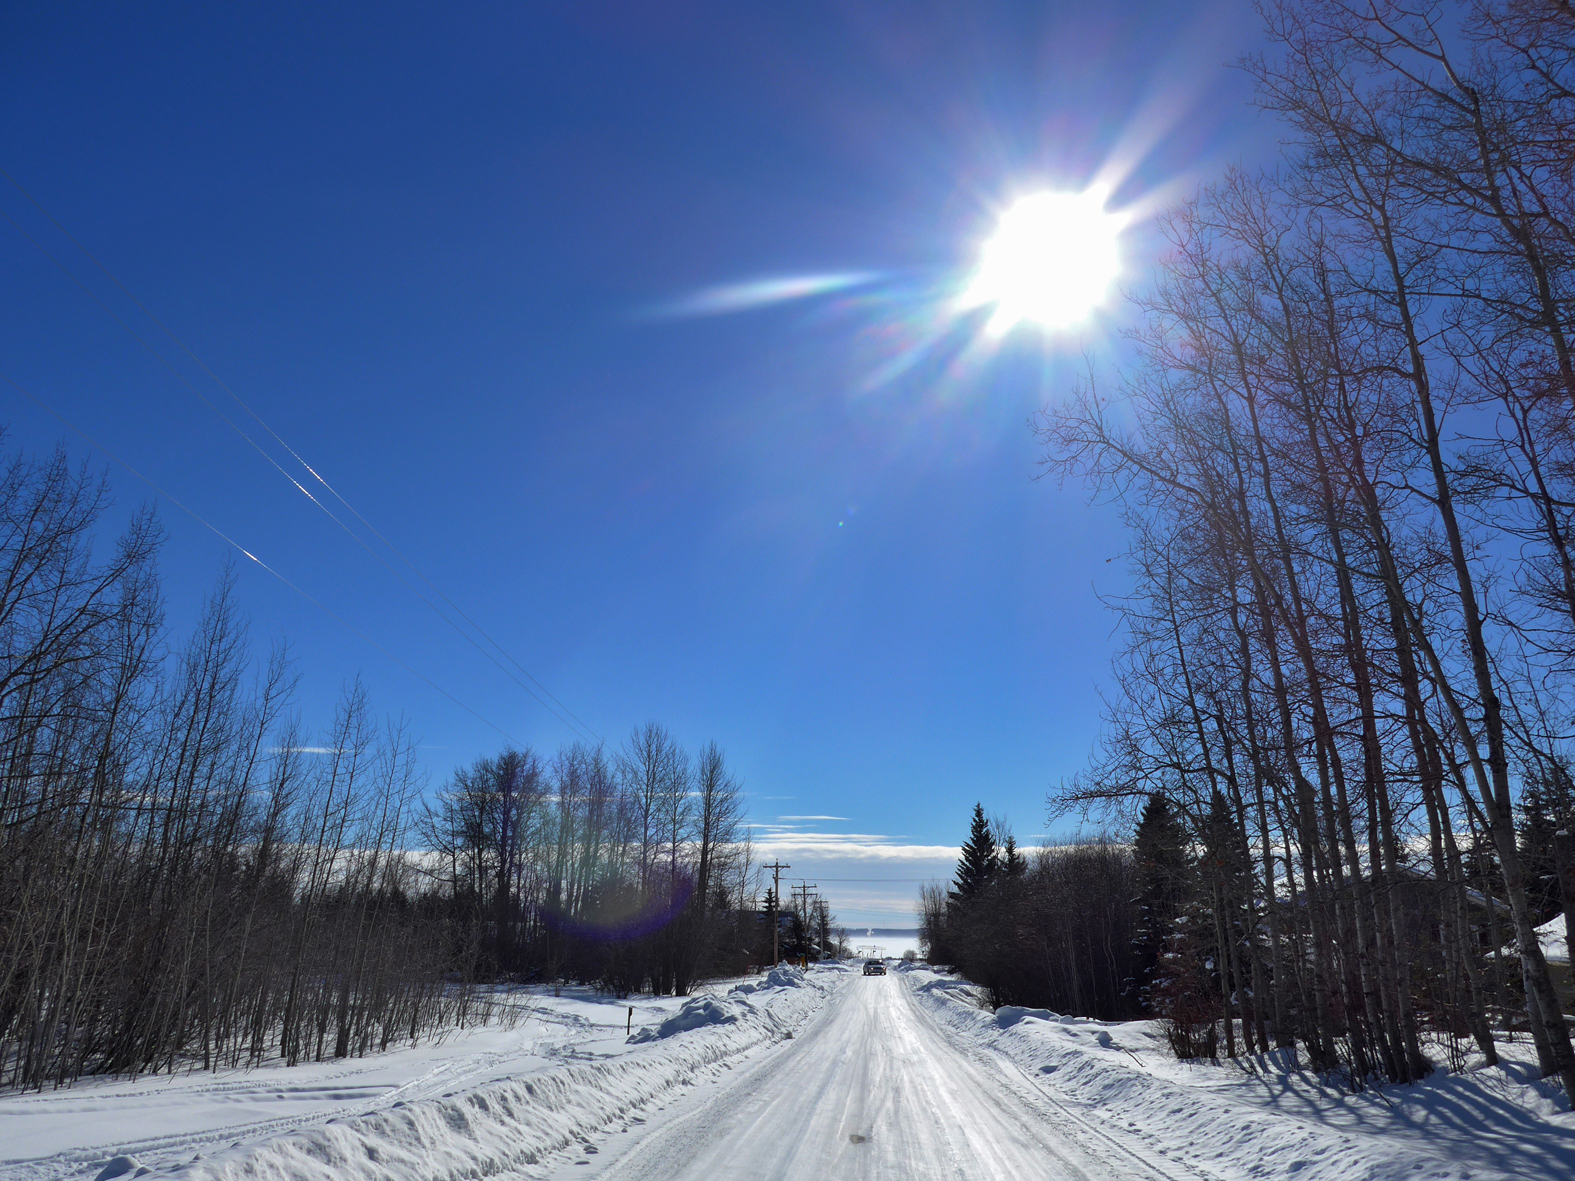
(550, 702)
(201, 520)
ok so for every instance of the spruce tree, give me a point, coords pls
(772, 945)
(1013, 864)
(1164, 877)
(1547, 804)
(1223, 843)
(978, 862)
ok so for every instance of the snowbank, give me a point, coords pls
(776, 978)
(498, 1125)
(1009, 1015)
(945, 985)
(697, 1012)
(1263, 1118)
(701, 1011)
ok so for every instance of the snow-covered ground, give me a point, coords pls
(481, 1101)
(1262, 1118)
(821, 1076)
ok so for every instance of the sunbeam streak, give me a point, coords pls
(1051, 261)
(743, 297)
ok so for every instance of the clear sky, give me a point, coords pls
(457, 256)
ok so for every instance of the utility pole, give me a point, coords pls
(776, 869)
(803, 891)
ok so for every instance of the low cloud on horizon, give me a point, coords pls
(870, 879)
(810, 818)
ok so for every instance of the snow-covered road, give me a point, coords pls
(873, 1089)
(816, 1075)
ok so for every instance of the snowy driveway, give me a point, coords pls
(873, 1089)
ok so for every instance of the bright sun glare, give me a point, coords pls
(1052, 260)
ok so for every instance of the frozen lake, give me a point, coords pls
(884, 941)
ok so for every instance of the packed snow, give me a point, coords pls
(873, 1089)
(822, 1075)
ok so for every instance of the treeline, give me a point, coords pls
(187, 877)
(1054, 930)
(1346, 458)
(631, 869)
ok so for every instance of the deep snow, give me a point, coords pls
(820, 1075)
(482, 1101)
(1262, 1117)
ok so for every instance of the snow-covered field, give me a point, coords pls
(821, 1075)
(480, 1102)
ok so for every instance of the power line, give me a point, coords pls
(575, 724)
(196, 516)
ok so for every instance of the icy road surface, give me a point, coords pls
(873, 1089)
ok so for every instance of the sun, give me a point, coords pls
(1052, 260)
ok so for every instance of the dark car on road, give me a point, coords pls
(874, 967)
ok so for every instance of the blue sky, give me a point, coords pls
(439, 248)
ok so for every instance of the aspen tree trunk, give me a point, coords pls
(1350, 898)
(1382, 847)
(1493, 778)
(1260, 807)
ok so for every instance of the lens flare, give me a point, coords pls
(744, 297)
(1052, 260)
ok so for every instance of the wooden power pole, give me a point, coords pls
(776, 869)
(803, 892)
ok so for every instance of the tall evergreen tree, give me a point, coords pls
(772, 940)
(1164, 875)
(1013, 863)
(1547, 804)
(1223, 844)
(978, 862)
